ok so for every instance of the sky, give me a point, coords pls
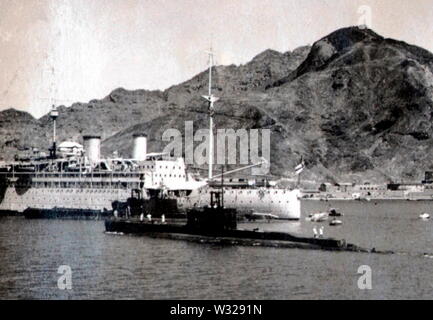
(65, 51)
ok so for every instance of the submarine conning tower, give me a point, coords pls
(139, 147)
(92, 148)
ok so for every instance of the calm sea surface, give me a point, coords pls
(132, 267)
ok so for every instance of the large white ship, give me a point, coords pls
(79, 182)
(75, 180)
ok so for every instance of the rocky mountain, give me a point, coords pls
(15, 128)
(120, 109)
(361, 106)
(356, 106)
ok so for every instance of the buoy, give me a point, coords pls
(424, 216)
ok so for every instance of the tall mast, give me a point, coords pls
(211, 99)
(54, 114)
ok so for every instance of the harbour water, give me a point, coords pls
(131, 267)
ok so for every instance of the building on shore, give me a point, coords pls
(346, 191)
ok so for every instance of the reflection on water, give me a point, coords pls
(131, 267)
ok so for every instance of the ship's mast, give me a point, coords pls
(211, 99)
(54, 114)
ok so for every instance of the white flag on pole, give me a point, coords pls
(299, 168)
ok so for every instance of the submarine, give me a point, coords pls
(218, 225)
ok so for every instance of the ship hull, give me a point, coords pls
(73, 199)
(282, 203)
(234, 236)
(63, 213)
(77, 202)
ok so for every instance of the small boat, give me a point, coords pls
(424, 216)
(318, 217)
(335, 222)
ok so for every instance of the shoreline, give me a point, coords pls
(366, 199)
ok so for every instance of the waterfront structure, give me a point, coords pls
(350, 191)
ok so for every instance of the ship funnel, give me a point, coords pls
(139, 148)
(92, 148)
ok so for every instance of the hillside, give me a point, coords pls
(361, 107)
(355, 105)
